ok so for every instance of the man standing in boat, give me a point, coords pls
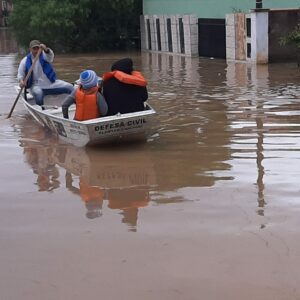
(42, 80)
(124, 89)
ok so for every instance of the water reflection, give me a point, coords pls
(225, 117)
(41, 157)
(7, 42)
(218, 125)
(121, 178)
(228, 151)
(192, 125)
(265, 124)
(254, 78)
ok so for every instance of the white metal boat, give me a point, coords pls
(118, 128)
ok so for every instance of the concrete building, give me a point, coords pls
(7, 43)
(5, 9)
(236, 30)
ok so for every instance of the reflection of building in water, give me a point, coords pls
(253, 80)
(190, 96)
(179, 68)
(7, 42)
(247, 75)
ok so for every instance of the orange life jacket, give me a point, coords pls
(122, 199)
(135, 78)
(88, 193)
(86, 104)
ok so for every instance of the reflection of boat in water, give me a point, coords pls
(41, 157)
(109, 168)
(121, 178)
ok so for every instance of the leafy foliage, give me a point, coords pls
(291, 38)
(77, 25)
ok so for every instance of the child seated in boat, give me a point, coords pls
(90, 103)
(124, 89)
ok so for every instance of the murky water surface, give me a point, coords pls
(208, 208)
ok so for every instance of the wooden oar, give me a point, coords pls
(25, 81)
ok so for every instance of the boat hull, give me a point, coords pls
(112, 129)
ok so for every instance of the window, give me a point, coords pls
(158, 35)
(149, 34)
(248, 50)
(181, 35)
(169, 31)
(248, 27)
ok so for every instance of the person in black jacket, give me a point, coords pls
(124, 89)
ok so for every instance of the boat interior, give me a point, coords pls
(52, 105)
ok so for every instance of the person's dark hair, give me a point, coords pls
(125, 65)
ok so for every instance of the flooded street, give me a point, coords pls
(206, 209)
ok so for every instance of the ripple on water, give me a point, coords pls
(212, 120)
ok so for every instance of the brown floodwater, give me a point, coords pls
(206, 209)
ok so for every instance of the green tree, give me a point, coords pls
(77, 25)
(292, 38)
